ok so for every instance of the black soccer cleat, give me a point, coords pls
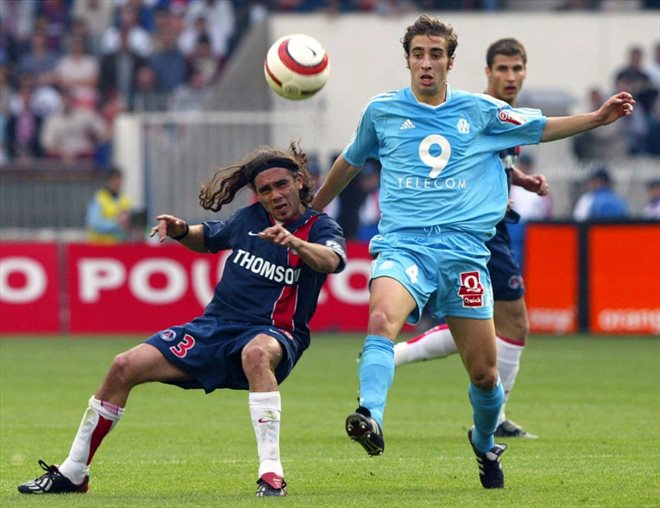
(509, 428)
(53, 482)
(362, 428)
(490, 469)
(271, 484)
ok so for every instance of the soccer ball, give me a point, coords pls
(296, 67)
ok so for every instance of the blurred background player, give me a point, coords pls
(108, 212)
(506, 71)
(254, 330)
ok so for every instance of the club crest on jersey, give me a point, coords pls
(463, 126)
(471, 290)
(506, 116)
(168, 335)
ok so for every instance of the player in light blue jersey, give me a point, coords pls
(442, 192)
(506, 70)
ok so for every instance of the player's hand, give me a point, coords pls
(615, 107)
(279, 236)
(168, 225)
(539, 185)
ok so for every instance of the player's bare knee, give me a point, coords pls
(255, 357)
(380, 323)
(122, 372)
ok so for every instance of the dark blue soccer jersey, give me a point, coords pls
(263, 283)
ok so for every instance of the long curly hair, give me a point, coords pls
(226, 181)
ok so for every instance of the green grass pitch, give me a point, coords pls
(595, 403)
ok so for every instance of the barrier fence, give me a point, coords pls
(599, 278)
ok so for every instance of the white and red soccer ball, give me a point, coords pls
(296, 67)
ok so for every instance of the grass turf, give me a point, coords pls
(595, 402)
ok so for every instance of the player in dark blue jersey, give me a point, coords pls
(506, 70)
(442, 193)
(254, 330)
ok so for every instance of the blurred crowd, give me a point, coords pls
(68, 67)
(638, 134)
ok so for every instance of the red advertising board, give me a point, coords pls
(29, 288)
(551, 277)
(144, 288)
(624, 286)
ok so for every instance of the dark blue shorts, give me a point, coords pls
(504, 271)
(209, 350)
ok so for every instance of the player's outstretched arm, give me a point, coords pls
(178, 229)
(340, 174)
(318, 257)
(615, 107)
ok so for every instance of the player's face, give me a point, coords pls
(429, 64)
(505, 77)
(278, 191)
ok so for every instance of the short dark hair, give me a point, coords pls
(507, 47)
(426, 25)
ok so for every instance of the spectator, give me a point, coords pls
(97, 14)
(23, 128)
(639, 82)
(54, 17)
(73, 133)
(78, 71)
(139, 40)
(147, 97)
(168, 63)
(600, 202)
(652, 69)
(202, 60)
(635, 126)
(40, 61)
(108, 212)
(193, 95)
(119, 72)
(213, 17)
(652, 208)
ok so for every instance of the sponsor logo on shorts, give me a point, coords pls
(168, 335)
(471, 290)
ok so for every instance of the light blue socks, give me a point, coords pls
(486, 405)
(376, 373)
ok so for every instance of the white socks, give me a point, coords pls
(99, 419)
(508, 365)
(265, 410)
(436, 342)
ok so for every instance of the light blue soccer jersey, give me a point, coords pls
(441, 164)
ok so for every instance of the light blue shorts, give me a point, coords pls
(442, 270)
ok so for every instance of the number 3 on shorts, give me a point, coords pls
(181, 349)
(413, 273)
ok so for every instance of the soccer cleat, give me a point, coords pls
(361, 427)
(271, 484)
(490, 469)
(52, 482)
(509, 428)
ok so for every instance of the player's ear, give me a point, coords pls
(451, 62)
